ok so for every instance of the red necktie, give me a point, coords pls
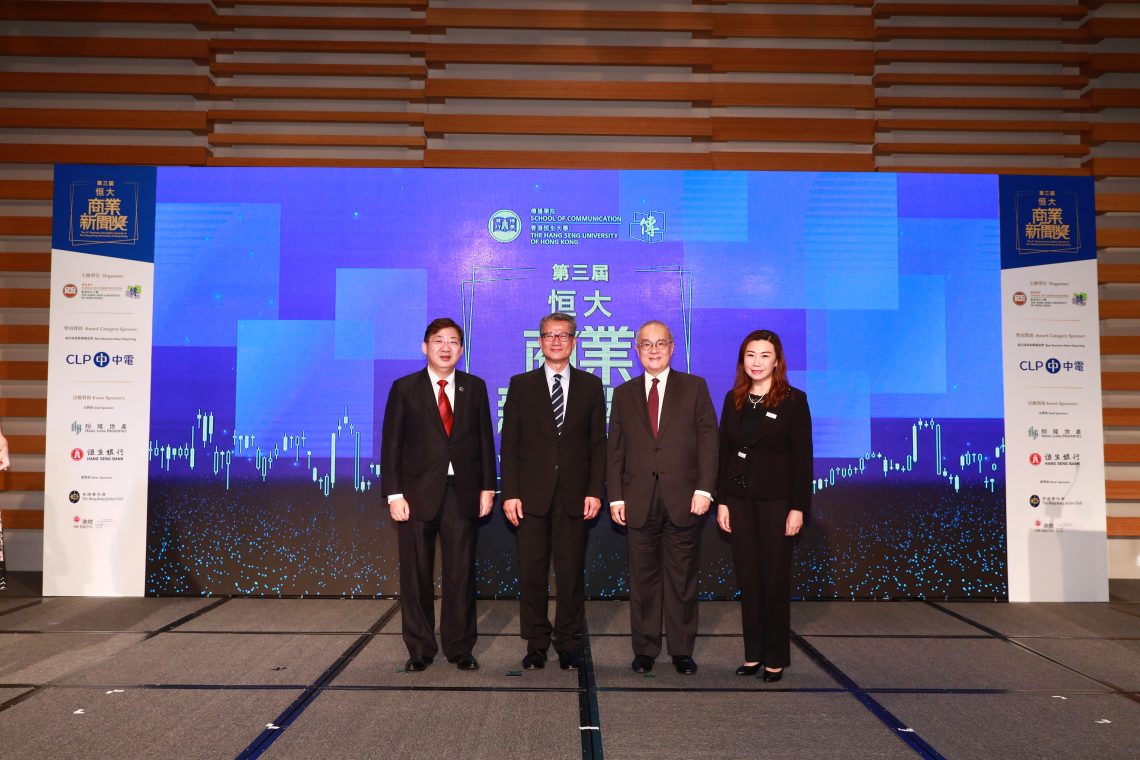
(445, 408)
(653, 406)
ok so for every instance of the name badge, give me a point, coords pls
(771, 415)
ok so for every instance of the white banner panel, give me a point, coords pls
(1055, 498)
(99, 367)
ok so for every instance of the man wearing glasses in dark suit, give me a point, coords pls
(663, 451)
(437, 471)
(553, 473)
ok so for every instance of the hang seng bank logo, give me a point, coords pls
(504, 225)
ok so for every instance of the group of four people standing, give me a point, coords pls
(663, 463)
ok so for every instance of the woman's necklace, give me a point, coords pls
(759, 400)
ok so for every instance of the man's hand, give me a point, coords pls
(794, 522)
(592, 507)
(617, 513)
(399, 510)
(486, 501)
(512, 508)
(700, 504)
(722, 518)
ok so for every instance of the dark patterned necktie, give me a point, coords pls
(654, 404)
(557, 402)
(445, 408)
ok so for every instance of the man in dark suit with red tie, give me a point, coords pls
(553, 465)
(662, 469)
(437, 471)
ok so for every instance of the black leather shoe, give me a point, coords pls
(534, 660)
(568, 660)
(771, 676)
(684, 664)
(466, 662)
(417, 664)
(642, 663)
(749, 670)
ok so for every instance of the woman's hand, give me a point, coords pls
(722, 518)
(794, 522)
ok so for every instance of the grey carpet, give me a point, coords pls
(946, 664)
(717, 658)
(433, 724)
(1022, 725)
(493, 617)
(72, 613)
(1049, 618)
(876, 619)
(219, 658)
(1115, 662)
(685, 726)
(292, 615)
(137, 723)
(37, 658)
(6, 694)
(11, 603)
(380, 664)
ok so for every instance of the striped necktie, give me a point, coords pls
(558, 403)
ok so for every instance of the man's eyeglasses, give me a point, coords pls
(442, 342)
(556, 337)
(660, 345)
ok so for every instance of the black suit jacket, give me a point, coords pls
(778, 464)
(415, 449)
(536, 461)
(683, 457)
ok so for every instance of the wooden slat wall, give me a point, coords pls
(1049, 88)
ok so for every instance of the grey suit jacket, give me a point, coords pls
(681, 460)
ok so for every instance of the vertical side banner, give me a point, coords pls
(1055, 499)
(99, 375)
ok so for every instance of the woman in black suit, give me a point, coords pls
(764, 495)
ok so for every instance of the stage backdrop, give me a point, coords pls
(286, 301)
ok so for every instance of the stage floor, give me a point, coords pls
(304, 678)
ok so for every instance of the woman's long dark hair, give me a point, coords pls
(743, 383)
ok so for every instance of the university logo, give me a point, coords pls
(1035, 501)
(70, 290)
(1020, 299)
(504, 225)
